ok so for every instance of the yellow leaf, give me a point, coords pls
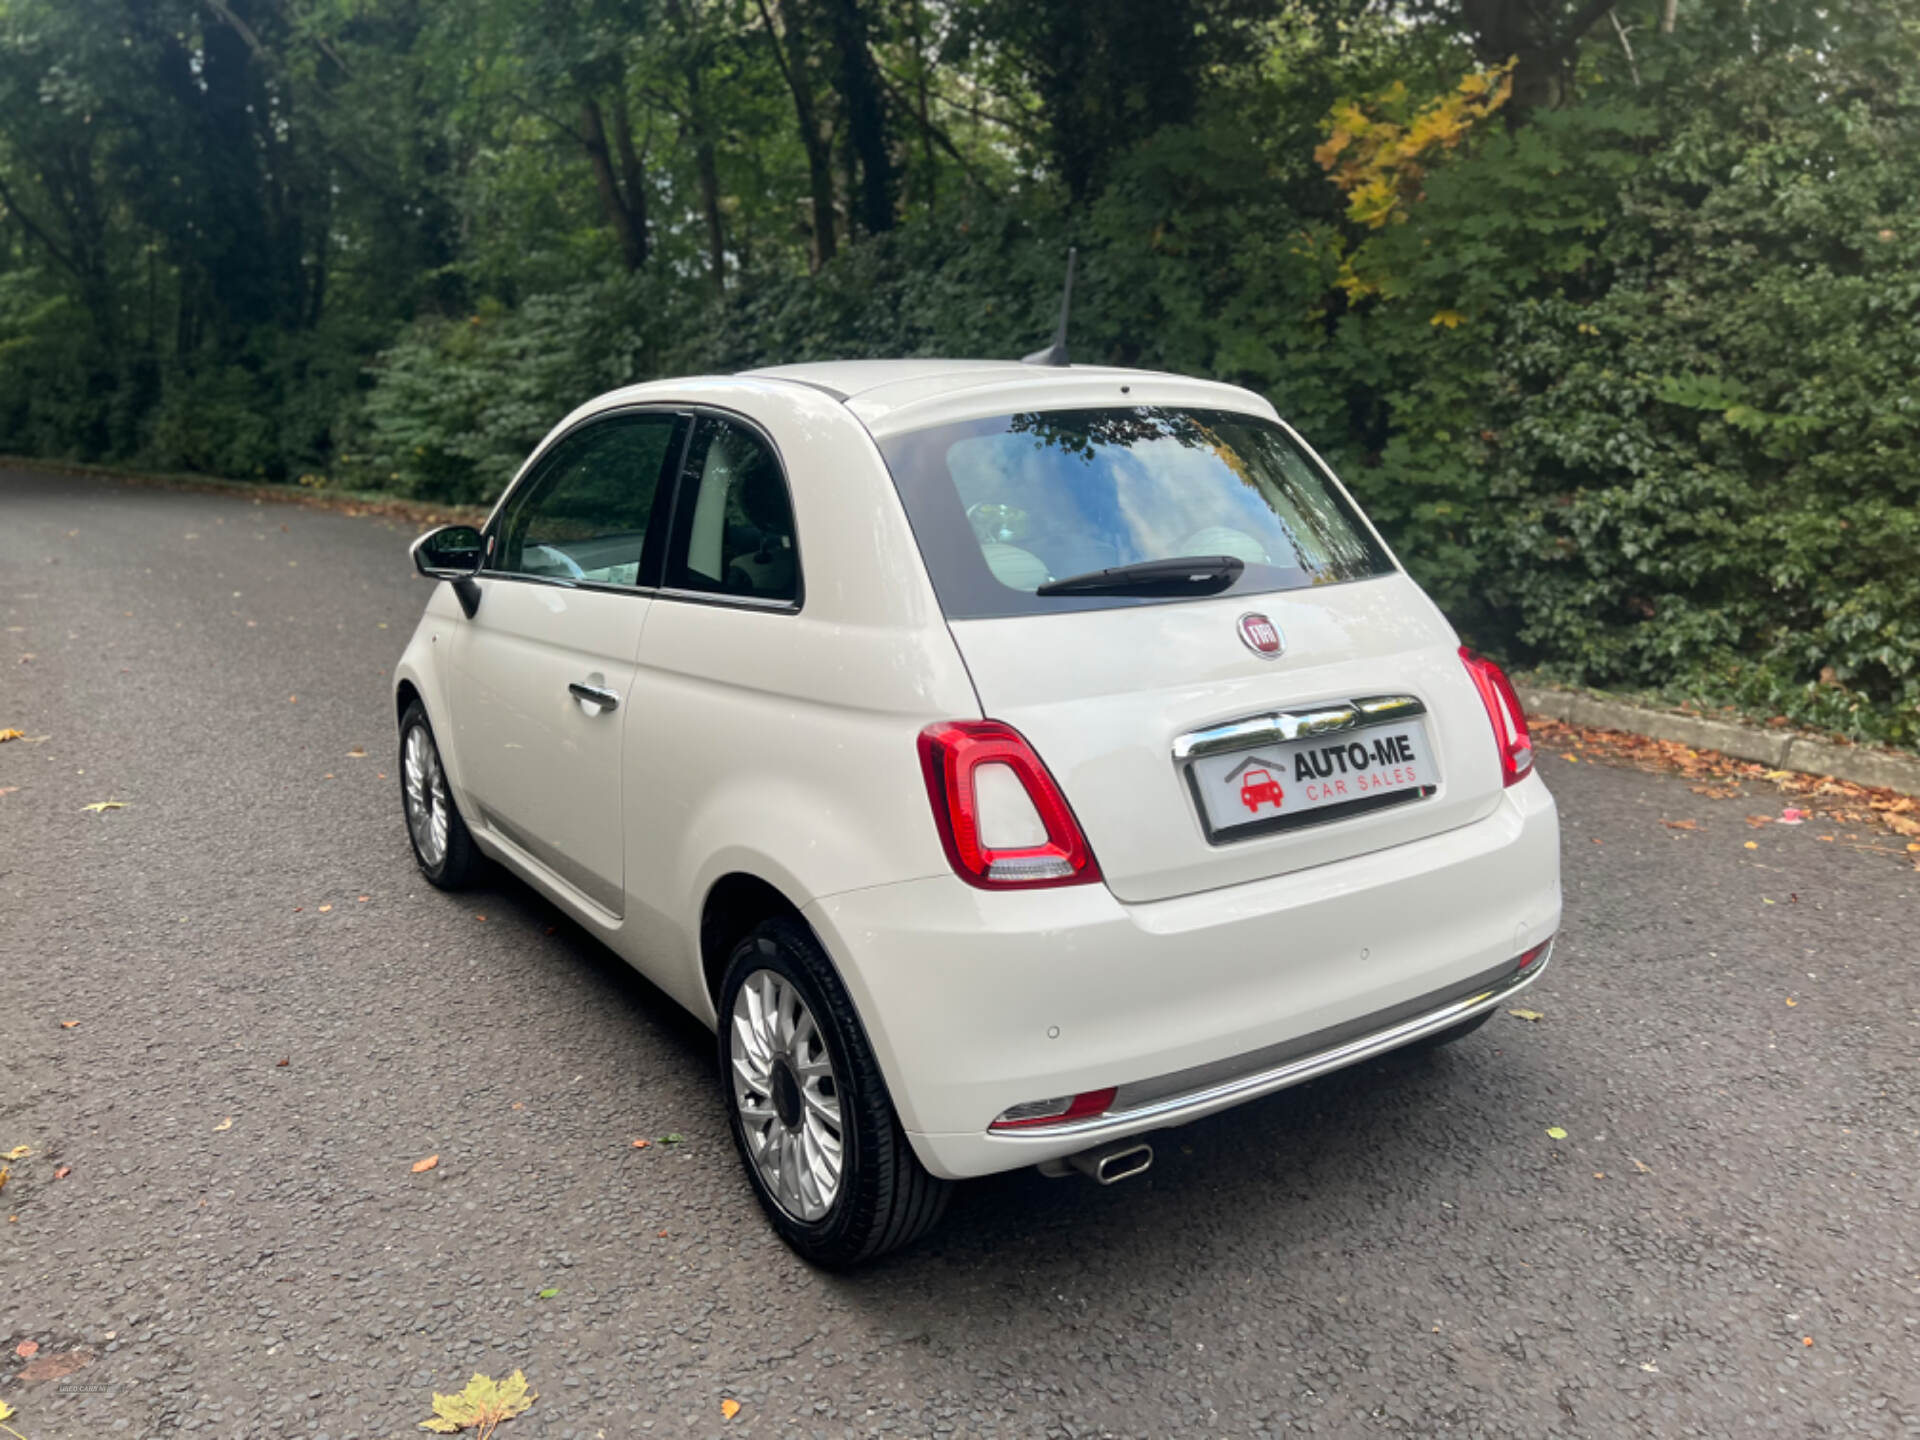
(481, 1406)
(5, 1171)
(19, 1152)
(226, 1124)
(97, 806)
(1452, 319)
(1527, 1014)
(6, 735)
(729, 1409)
(7, 1412)
(420, 1167)
(1752, 846)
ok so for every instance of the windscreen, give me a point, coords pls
(1004, 506)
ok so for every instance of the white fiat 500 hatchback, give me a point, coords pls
(1006, 761)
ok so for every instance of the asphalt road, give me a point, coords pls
(1726, 1243)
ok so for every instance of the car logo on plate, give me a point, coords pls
(1262, 636)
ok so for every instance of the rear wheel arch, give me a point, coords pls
(736, 904)
(405, 693)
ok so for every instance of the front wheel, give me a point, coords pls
(440, 840)
(808, 1107)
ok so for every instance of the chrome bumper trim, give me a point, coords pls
(1297, 725)
(1190, 1103)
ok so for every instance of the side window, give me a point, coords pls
(584, 515)
(733, 527)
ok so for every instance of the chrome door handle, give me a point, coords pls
(594, 695)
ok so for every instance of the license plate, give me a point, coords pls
(1300, 782)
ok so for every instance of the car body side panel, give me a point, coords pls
(782, 744)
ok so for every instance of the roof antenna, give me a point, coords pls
(1056, 354)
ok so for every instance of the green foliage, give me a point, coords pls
(1626, 366)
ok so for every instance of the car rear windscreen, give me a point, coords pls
(1005, 505)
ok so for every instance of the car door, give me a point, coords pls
(716, 705)
(541, 673)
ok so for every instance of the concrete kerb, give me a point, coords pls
(1780, 749)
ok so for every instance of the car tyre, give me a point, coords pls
(441, 844)
(1450, 1034)
(783, 1007)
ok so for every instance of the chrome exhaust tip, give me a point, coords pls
(1110, 1164)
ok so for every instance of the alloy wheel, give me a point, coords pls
(787, 1096)
(425, 789)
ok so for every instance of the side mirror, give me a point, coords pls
(453, 552)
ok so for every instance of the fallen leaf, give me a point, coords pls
(365, 898)
(1526, 1014)
(358, 752)
(1650, 1367)
(1756, 821)
(1681, 824)
(481, 1406)
(19, 1152)
(420, 1167)
(7, 1411)
(546, 1294)
(1791, 1001)
(226, 1124)
(68, 1024)
(641, 1144)
(1752, 846)
(52, 1367)
(27, 1349)
(481, 918)
(63, 1172)
(519, 1104)
(1599, 1174)
(5, 1171)
(6, 735)
(9, 789)
(729, 1409)
(1642, 1167)
(97, 806)
(282, 1064)
(673, 1139)
(1806, 1339)
(325, 908)
(1554, 1132)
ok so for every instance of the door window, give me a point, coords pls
(734, 532)
(586, 512)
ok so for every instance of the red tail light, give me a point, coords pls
(1017, 835)
(1083, 1106)
(1503, 710)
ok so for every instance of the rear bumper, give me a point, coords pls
(977, 1001)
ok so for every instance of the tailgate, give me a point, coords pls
(1108, 696)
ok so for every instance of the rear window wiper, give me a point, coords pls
(1180, 575)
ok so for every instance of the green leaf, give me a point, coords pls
(1554, 1132)
(548, 1294)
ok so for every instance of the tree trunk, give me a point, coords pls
(1543, 74)
(632, 237)
(633, 176)
(866, 113)
(793, 62)
(708, 172)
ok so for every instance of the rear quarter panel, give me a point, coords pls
(783, 745)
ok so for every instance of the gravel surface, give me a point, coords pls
(276, 1020)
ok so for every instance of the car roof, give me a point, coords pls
(894, 395)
